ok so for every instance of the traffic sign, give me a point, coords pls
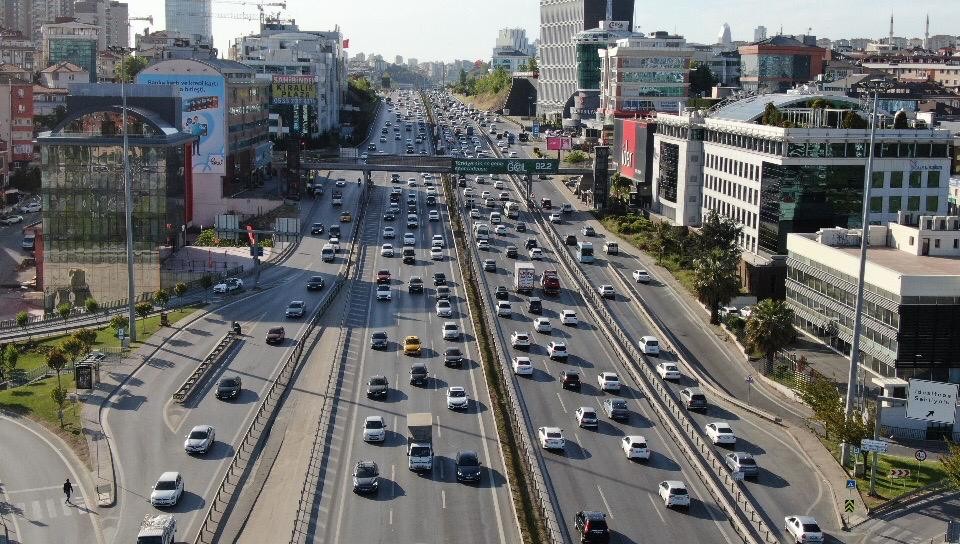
(920, 455)
(848, 505)
(851, 484)
(878, 446)
(935, 402)
(855, 450)
(899, 473)
(749, 378)
(506, 166)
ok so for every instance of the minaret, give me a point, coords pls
(926, 34)
(891, 29)
(609, 10)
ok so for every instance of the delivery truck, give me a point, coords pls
(420, 441)
(524, 277)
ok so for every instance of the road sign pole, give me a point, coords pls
(876, 436)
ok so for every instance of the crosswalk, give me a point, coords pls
(47, 509)
(881, 532)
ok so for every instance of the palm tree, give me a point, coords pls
(620, 187)
(716, 279)
(770, 328)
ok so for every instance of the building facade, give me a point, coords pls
(110, 16)
(16, 122)
(945, 71)
(510, 59)
(912, 294)
(71, 42)
(18, 50)
(82, 191)
(190, 17)
(779, 63)
(45, 11)
(64, 73)
(560, 21)
(167, 44)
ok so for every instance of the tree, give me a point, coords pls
(56, 360)
(143, 309)
(718, 232)
(702, 80)
(87, 337)
(771, 115)
(576, 157)
(822, 396)
(64, 309)
(22, 319)
(180, 289)
(770, 328)
(8, 361)
(620, 186)
(532, 65)
(951, 463)
(91, 305)
(853, 121)
(118, 322)
(662, 239)
(900, 120)
(206, 238)
(129, 67)
(59, 396)
(818, 104)
(206, 281)
(161, 298)
(716, 280)
(73, 348)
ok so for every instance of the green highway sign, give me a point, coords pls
(506, 166)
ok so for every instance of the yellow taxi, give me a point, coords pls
(345, 217)
(411, 345)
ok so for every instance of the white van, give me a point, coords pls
(512, 209)
(481, 230)
(328, 253)
(495, 218)
(650, 345)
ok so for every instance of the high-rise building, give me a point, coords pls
(360, 57)
(760, 33)
(412, 62)
(398, 60)
(110, 16)
(723, 37)
(71, 42)
(17, 50)
(560, 21)
(16, 16)
(778, 63)
(46, 11)
(191, 17)
(515, 38)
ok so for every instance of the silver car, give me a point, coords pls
(200, 439)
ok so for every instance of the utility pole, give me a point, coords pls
(128, 201)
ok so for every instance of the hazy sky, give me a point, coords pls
(467, 29)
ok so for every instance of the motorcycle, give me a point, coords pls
(236, 328)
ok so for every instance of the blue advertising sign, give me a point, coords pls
(204, 116)
(535, 129)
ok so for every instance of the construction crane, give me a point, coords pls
(148, 18)
(260, 6)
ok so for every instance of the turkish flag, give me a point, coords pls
(346, 43)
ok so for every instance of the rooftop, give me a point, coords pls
(750, 109)
(907, 263)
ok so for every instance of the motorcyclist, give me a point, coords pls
(359, 180)
(236, 327)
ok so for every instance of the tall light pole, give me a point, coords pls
(128, 201)
(858, 309)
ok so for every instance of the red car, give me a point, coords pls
(383, 276)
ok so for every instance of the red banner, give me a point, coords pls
(559, 143)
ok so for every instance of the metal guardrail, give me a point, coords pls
(254, 436)
(211, 361)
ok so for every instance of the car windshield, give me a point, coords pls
(229, 382)
(379, 380)
(747, 461)
(671, 368)
(374, 424)
(553, 435)
(468, 460)
(619, 404)
(724, 429)
(641, 445)
(366, 471)
(166, 485)
(275, 330)
(453, 351)
(678, 491)
(198, 435)
(316, 278)
(457, 394)
(380, 335)
(573, 377)
(811, 528)
(419, 451)
(413, 342)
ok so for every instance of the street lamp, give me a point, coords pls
(127, 195)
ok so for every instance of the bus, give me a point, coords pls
(585, 252)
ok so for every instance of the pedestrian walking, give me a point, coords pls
(67, 490)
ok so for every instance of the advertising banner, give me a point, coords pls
(204, 116)
(628, 151)
(559, 143)
(294, 90)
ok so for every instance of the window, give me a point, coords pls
(894, 204)
(914, 180)
(956, 243)
(896, 180)
(933, 203)
(933, 178)
(876, 204)
(911, 240)
(877, 180)
(913, 204)
(936, 242)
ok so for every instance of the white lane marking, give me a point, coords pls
(391, 516)
(443, 499)
(47, 488)
(438, 422)
(656, 507)
(562, 405)
(605, 503)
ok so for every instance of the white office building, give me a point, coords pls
(191, 17)
(774, 180)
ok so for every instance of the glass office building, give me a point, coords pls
(191, 17)
(84, 230)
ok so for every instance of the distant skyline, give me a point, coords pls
(466, 29)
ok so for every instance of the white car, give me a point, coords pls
(555, 218)
(536, 254)
(635, 447)
(200, 439)
(411, 182)
(468, 192)
(444, 309)
(474, 213)
(569, 317)
(803, 529)
(434, 215)
(457, 398)
(484, 195)
(168, 489)
(437, 241)
(500, 230)
(383, 292)
(341, 182)
(668, 371)
(551, 438)
(386, 250)
(522, 366)
(674, 493)
(498, 185)
(746, 312)
(436, 254)
(451, 331)
(374, 429)
(586, 417)
(483, 244)
(608, 381)
(31, 207)
(542, 324)
(607, 291)
(409, 239)
(720, 433)
(504, 309)
(230, 284)
(431, 190)
(557, 350)
(389, 232)
(641, 276)
(520, 339)
(513, 154)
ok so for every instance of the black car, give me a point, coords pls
(570, 380)
(378, 340)
(489, 265)
(439, 278)
(314, 283)
(389, 217)
(228, 388)
(535, 305)
(334, 231)
(592, 527)
(316, 228)
(502, 293)
(366, 477)
(468, 466)
(453, 357)
(377, 386)
(530, 243)
(418, 373)
(511, 252)
(415, 285)
(571, 240)
(521, 227)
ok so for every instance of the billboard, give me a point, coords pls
(204, 115)
(559, 143)
(294, 90)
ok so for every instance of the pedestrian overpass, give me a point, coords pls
(443, 165)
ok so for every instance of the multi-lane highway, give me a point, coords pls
(409, 506)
